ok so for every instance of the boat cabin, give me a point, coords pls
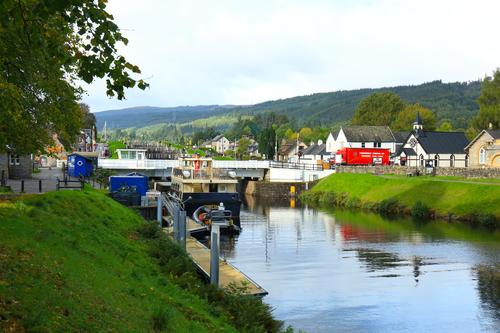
(197, 175)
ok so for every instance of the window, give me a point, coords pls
(452, 160)
(377, 144)
(436, 161)
(421, 160)
(362, 145)
(14, 159)
(482, 156)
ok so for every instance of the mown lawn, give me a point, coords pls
(73, 262)
(442, 196)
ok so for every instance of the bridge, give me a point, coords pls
(272, 170)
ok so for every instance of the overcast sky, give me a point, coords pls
(246, 52)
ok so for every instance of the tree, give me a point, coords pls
(243, 145)
(445, 126)
(45, 47)
(405, 119)
(267, 142)
(378, 109)
(489, 104)
(306, 134)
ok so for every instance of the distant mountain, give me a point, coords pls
(141, 116)
(453, 101)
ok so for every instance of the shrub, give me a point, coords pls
(485, 220)
(420, 211)
(388, 206)
(247, 313)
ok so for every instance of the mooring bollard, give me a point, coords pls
(218, 220)
(214, 255)
(159, 211)
(22, 186)
(40, 186)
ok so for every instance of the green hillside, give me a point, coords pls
(453, 101)
(80, 262)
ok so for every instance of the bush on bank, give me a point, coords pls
(422, 198)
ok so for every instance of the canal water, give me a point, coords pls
(344, 271)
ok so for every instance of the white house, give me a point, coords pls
(437, 149)
(361, 137)
(219, 143)
(291, 151)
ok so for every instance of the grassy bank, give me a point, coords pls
(78, 261)
(418, 196)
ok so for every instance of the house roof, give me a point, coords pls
(218, 137)
(315, 149)
(494, 134)
(407, 151)
(86, 154)
(368, 134)
(401, 136)
(288, 146)
(335, 134)
(443, 142)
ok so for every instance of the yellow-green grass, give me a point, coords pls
(74, 262)
(443, 197)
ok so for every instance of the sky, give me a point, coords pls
(247, 52)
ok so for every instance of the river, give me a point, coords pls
(342, 271)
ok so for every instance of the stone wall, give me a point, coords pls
(403, 170)
(22, 171)
(272, 190)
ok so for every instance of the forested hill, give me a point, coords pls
(453, 101)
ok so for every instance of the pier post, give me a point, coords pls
(182, 228)
(159, 210)
(214, 255)
(176, 223)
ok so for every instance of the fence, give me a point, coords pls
(296, 166)
(69, 184)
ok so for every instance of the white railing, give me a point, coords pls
(137, 164)
(219, 164)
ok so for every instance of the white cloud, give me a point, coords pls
(232, 52)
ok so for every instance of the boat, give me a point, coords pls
(197, 184)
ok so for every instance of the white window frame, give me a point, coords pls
(14, 159)
(482, 156)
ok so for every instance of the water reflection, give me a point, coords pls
(340, 271)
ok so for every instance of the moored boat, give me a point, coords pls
(198, 184)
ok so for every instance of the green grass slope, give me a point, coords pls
(443, 196)
(75, 262)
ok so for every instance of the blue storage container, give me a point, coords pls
(132, 180)
(80, 165)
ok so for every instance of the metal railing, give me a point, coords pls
(296, 166)
(137, 164)
(201, 174)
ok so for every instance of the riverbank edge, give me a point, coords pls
(327, 195)
(33, 223)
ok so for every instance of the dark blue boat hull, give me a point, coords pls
(231, 202)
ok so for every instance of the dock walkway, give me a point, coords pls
(228, 274)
